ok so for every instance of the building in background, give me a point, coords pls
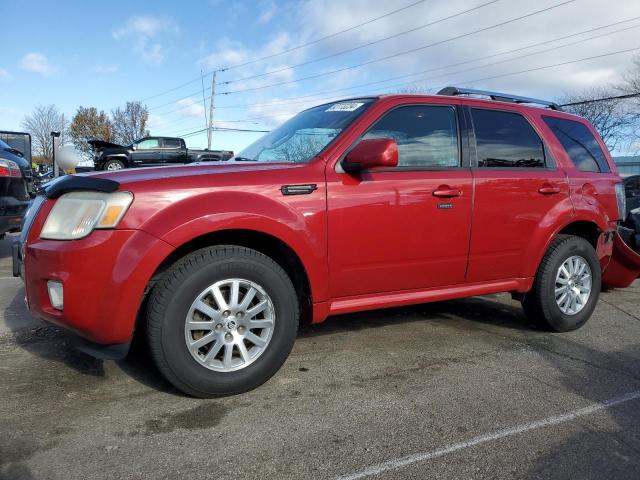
(629, 165)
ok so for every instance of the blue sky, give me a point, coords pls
(104, 53)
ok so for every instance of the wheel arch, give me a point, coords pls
(265, 243)
(588, 228)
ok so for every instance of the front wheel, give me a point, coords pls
(567, 285)
(222, 321)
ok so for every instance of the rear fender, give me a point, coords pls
(554, 223)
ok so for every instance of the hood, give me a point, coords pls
(168, 173)
(100, 144)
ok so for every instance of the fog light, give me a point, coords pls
(56, 294)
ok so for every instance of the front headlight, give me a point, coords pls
(76, 214)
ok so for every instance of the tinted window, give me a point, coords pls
(506, 140)
(427, 136)
(148, 144)
(172, 143)
(580, 144)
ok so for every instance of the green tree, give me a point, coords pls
(89, 124)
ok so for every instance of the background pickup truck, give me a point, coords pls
(150, 151)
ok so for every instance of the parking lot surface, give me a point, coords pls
(460, 389)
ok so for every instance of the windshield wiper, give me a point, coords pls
(243, 159)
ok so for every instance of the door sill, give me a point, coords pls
(410, 297)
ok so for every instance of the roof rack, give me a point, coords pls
(502, 97)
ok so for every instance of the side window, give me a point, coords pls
(506, 140)
(149, 144)
(579, 143)
(427, 135)
(172, 143)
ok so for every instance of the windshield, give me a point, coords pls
(305, 135)
(3, 146)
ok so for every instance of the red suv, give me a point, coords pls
(353, 205)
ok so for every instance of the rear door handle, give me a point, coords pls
(445, 191)
(548, 189)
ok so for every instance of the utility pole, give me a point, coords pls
(211, 107)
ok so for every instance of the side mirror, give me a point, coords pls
(134, 147)
(370, 153)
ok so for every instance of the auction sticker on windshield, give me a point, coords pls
(345, 107)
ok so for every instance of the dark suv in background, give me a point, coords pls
(15, 187)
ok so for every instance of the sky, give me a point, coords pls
(275, 58)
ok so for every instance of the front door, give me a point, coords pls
(407, 227)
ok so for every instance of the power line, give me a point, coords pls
(604, 99)
(405, 52)
(288, 50)
(298, 99)
(387, 57)
(364, 45)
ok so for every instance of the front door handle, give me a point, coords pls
(445, 191)
(548, 189)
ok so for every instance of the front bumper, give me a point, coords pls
(104, 277)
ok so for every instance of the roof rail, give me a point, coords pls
(502, 97)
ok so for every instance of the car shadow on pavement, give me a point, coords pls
(477, 309)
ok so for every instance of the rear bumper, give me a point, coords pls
(624, 267)
(104, 277)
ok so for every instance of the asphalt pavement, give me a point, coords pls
(450, 390)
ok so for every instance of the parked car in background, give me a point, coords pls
(353, 205)
(632, 188)
(15, 184)
(151, 151)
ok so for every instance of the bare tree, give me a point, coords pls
(40, 123)
(300, 147)
(130, 123)
(631, 86)
(89, 124)
(611, 117)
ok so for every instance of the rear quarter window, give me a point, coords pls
(579, 143)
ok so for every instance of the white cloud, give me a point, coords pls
(188, 107)
(268, 12)
(156, 122)
(37, 63)
(106, 69)
(145, 33)
(4, 74)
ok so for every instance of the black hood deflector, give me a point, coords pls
(73, 183)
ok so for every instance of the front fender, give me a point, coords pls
(298, 221)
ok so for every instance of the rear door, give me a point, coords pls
(517, 185)
(173, 150)
(403, 228)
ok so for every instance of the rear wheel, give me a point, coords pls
(222, 321)
(113, 164)
(567, 285)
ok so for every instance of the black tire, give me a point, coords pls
(540, 304)
(171, 298)
(113, 162)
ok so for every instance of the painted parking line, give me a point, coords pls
(489, 437)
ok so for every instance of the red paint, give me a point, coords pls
(377, 238)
